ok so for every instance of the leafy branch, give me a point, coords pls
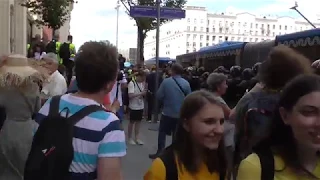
(51, 13)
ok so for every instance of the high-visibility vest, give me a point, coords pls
(72, 48)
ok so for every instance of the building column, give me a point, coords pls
(5, 27)
(20, 36)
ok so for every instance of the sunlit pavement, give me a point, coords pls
(137, 162)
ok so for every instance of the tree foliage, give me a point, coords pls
(145, 25)
(51, 13)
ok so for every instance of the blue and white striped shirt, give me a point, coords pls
(97, 135)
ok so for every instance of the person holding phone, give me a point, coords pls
(137, 92)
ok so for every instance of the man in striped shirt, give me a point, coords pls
(98, 141)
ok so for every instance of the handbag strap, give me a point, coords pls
(185, 94)
(135, 82)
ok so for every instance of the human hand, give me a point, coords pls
(115, 106)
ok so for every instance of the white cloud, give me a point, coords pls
(309, 8)
(96, 20)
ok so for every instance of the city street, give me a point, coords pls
(137, 162)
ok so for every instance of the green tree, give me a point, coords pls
(52, 13)
(144, 25)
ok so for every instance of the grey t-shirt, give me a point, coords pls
(229, 128)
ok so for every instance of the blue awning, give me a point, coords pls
(302, 38)
(161, 59)
(223, 44)
(222, 50)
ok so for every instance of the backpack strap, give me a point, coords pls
(84, 112)
(168, 159)
(267, 163)
(54, 105)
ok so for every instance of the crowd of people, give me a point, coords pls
(246, 124)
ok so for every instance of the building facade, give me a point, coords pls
(13, 29)
(201, 28)
(16, 29)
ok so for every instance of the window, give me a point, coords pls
(194, 36)
(201, 21)
(208, 37)
(251, 25)
(280, 27)
(194, 28)
(213, 38)
(188, 44)
(195, 21)
(256, 26)
(207, 30)
(213, 29)
(208, 22)
(273, 26)
(201, 44)
(188, 28)
(201, 29)
(188, 36)
(201, 37)
(285, 27)
(207, 44)
(187, 51)
(188, 19)
(257, 39)
(194, 44)
(220, 30)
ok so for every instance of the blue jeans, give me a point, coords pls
(120, 113)
(167, 127)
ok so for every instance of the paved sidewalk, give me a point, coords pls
(137, 162)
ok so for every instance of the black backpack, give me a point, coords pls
(52, 150)
(3, 116)
(256, 124)
(266, 161)
(64, 51)
(168, 159)
(52, 47)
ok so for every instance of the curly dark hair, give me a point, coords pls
(282, 65)
(96, 64)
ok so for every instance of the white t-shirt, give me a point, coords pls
(56, 86)
(136, 103)
(39, 56)
(114, 91)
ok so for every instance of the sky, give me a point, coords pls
(96, 19)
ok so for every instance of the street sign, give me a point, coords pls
(151, 12)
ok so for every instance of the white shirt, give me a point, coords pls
(39, 56)
(114, 91)
(57, 85)
(136, 103)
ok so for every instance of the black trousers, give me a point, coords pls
(69, 69)
(150, 99)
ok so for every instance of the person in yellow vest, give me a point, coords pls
(67, 53)
(54, 46)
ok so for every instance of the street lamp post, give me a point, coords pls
(117, 28)
(156, 104)
(295, 8)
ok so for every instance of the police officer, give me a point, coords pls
(67, 53)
